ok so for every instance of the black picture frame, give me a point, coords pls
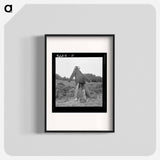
(113, 91)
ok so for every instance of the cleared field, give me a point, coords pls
(65, 94)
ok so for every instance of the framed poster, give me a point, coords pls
(79, 83)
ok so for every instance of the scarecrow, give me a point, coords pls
(80, 80)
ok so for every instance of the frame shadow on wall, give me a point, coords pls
(39, 84)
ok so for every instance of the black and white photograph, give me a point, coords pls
(78, 81)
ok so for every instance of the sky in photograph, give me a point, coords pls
(65, 66)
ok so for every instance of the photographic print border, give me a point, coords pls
(78, 109)
(45, 81)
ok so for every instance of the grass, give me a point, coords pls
(65, 94)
